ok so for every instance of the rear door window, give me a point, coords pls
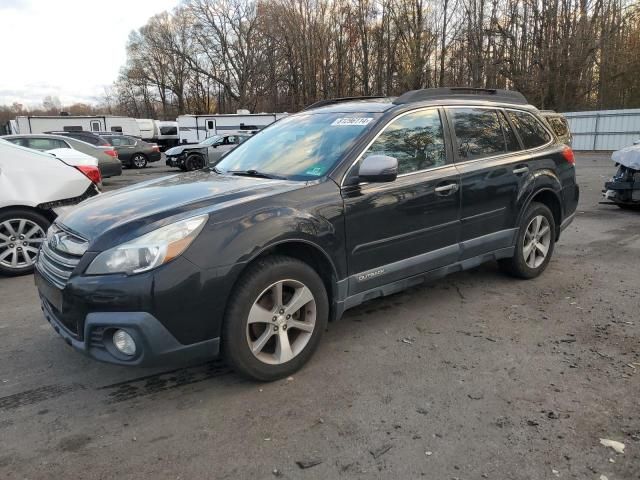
(531, 131)
(415, 139)
(478, 132)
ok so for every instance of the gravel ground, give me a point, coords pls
(475, 376)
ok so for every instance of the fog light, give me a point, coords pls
(124, 342)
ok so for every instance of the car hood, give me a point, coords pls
(130, 212)
(181, 148)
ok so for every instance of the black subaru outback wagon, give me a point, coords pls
(349, 200)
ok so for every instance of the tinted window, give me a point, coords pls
(95, 126)
(116, 129)
(510, 137)
(415, 139)
(45, 143)
(72, 128)
(168, 130)
(128, 141)
(531, 131)
(209, 124)
(478, 132)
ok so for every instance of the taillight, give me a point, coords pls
(112, 152)
(568, 155)
(91, 172)
(155, 148)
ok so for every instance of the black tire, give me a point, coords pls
(183, 168)
(195, 161)
(250, 287)
(517, 265)
(138, 160)
(14, 215)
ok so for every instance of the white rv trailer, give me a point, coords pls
(164, 133)
(148, 129)
(196, 128)
(94, 123)
(167, 133)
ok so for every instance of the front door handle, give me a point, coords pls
(447, 189)
(520, 170)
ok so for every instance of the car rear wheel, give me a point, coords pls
(21, 234)
(535, 243)
(275, 319)
(139, 160)
(194, 162)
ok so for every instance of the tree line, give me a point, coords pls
(210, 56)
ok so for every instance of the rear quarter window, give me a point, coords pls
(531, 131)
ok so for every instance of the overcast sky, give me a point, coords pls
(72, 49)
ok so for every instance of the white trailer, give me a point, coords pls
(196, 128)
(164, 133)
(148, 129)
(53, 123)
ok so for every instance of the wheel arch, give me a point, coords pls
(307, 252)
(550, 198)
(48, 214)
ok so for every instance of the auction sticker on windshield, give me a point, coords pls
(351, 121)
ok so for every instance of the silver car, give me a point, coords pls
(108, 164)
(208, 152)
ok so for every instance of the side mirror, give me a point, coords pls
(378, 168)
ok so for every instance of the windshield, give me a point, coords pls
(299, 147)
(212, 140)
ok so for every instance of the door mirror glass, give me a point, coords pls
(378, 168)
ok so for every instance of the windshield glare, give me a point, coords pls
(299, 147)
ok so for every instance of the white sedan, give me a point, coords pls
(35, 187)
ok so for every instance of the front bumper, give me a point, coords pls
(154, 343)
(174, 313)
(175, 161)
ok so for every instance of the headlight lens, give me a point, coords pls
(148, 251)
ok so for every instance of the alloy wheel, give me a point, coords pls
(536, 242)
(20, 240)
(281, 322)
(139, 161)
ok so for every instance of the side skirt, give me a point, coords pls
(403, 284)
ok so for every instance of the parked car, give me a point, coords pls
(34, 188)
(346, 201)
(132, 151)
(89, 137)
(107, 157)
(197, 156)
(559, 125)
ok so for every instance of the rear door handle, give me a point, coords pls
(520, 170)
(447, 189)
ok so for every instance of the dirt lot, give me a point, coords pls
(475, 376)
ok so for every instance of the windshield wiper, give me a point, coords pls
(254, 173)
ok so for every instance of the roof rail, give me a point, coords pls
(331, 101)
(506, 96)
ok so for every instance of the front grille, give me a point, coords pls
(56, 265)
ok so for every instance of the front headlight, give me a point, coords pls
(150, 250)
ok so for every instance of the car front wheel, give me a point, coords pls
(275, 319)
(21, 234)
